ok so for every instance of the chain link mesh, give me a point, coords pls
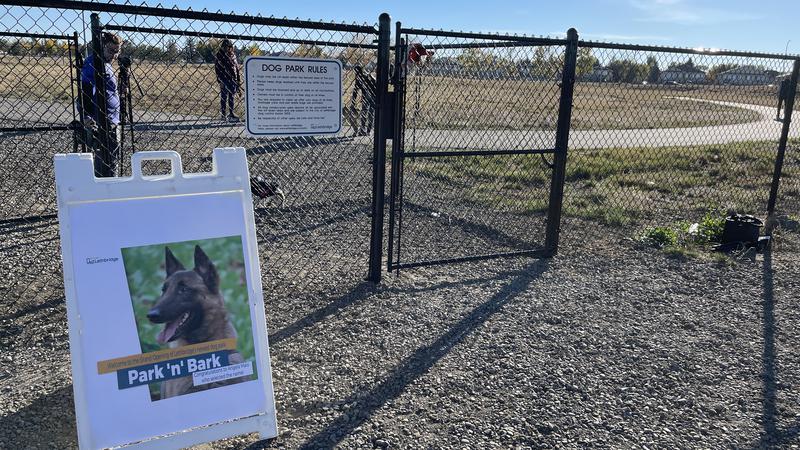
(314, 241)
(788, 204)
(476, 99)
(659, 138)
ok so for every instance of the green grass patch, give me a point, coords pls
(660, 237)
(618, 187)
(684, 239)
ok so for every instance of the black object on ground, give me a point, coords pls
(741, 228)
(741, 231)
(261, 188)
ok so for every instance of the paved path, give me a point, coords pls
(29, 112)
(766, 128)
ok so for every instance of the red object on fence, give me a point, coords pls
(416, 51)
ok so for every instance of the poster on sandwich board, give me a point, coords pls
(164, 302)
(292, 96)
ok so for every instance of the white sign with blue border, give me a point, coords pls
(293, 96)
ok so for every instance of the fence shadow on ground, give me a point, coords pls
(772, 436)
(44, 423)
(357, 294)
(470, 227)
(365, 404)
(262, 213)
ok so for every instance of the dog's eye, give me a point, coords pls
(163, 288)
(182, 289)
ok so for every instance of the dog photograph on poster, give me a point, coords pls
(187, 293)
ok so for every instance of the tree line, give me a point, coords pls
(192, 50)
(34, 47)
(546, 62)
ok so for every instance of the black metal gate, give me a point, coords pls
(51, 62)
(38, 88)
(479, 150)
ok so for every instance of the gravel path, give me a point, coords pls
(606, 345)
(610, 346)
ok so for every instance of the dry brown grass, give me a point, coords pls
(46, 78)
(457, 103)
(183, 89)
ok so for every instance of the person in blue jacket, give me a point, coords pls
(89, 110)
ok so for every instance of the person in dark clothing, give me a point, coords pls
(229, 78)
(366, 87)
(105, 164)
(783, 94)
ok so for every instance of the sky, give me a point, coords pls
(763, 26)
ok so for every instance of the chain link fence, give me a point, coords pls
(788, 204)
(661, 137)
(657, 136)
(479, 133)
(314, 241)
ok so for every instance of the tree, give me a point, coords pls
(545, 63)
(586, 62)
(653, 72)
(171, 52)
(308, 51)
(64, 48)
(718, 69)
(16, 48)
(357, 55)
(627, 71)
(207, 49)
(474, 59)
(253, 50)
(48, 47)
(687, 66)
(190, 49)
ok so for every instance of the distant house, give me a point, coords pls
(598, 74)
(746, 75)
(442, 66)
(682, 75)
(783, 76)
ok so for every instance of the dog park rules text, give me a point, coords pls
(293, 96)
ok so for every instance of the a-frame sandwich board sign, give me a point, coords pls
(166, 314)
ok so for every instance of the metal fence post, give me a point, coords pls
(379, 149)
(562, 141)
(104, 168)
(73, 50)
(787, 121)
(398, 82)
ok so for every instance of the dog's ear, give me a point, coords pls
(206, 269)
(172, 263)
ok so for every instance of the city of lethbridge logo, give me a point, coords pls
(96, 260)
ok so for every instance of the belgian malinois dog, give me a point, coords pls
(192, 310)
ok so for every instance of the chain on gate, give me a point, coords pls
(417, 107)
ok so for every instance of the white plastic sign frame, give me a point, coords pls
(277, 87)
(101, 217)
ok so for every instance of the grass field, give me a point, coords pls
(629, 186)
(183, 89)
(455, 103)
